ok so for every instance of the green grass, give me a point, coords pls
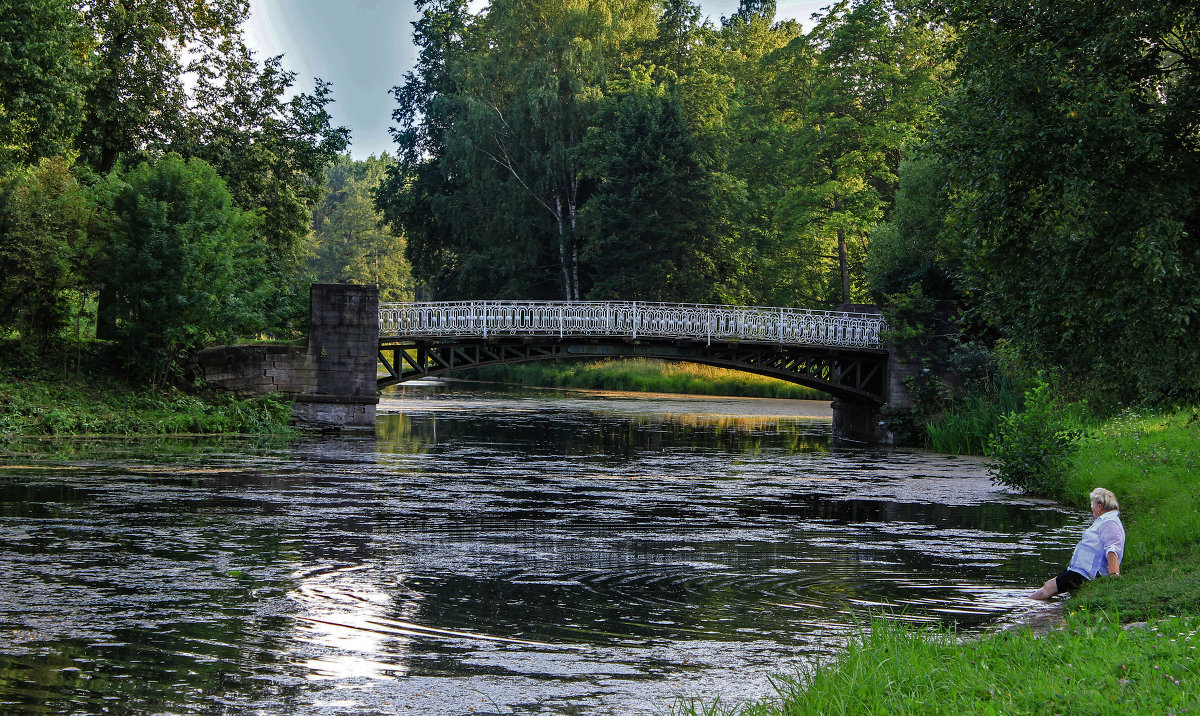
(1090, 665)
(646, 376)
(1152, 462)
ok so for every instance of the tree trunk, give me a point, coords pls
(79, 333)
(842, 261)
(841, 236)
(574, 245)
(562, 247)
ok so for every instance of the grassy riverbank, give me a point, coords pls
(1092, 664)
(34, 404)
(1152, 463)
(645, 376)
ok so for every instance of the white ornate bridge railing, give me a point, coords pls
(632, 319)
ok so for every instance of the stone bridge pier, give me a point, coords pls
(861, 422)
(342, 358)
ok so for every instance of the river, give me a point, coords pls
(490, 552)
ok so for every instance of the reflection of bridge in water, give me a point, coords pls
(840, 353)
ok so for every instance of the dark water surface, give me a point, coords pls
(541, 553)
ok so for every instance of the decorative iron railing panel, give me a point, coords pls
(633, 320)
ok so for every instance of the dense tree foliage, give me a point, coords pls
(1074, 154)
(271, 150)
(181, 264)
(135, 93)
(47, 221)
(748, 76)
(650, 229)
(407, 195)
(875, 83)
(136, 99)
(44, 66)
(913, 247)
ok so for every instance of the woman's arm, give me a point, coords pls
(1114, 567)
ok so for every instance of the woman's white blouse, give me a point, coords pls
(1105, 535)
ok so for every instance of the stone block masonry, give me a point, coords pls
(332, 379)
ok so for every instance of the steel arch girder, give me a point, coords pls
(854, 374)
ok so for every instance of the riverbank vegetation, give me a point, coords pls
(646, 376)
(108, 407)
(39, 402)
(966, 427)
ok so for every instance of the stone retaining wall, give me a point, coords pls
(249, 370)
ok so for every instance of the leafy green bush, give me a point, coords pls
(182, 268)
(1033, 447)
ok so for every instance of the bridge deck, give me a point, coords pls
(632, 320)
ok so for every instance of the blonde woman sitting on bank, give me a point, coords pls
(1099, 552)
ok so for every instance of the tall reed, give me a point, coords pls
(964, 429)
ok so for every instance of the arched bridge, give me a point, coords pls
(840, 353)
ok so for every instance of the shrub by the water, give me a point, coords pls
(1033, 446)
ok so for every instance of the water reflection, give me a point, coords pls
(528, 553)
(340, 611)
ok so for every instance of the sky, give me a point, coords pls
(364, 47)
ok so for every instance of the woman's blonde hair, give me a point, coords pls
(1105, 498)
